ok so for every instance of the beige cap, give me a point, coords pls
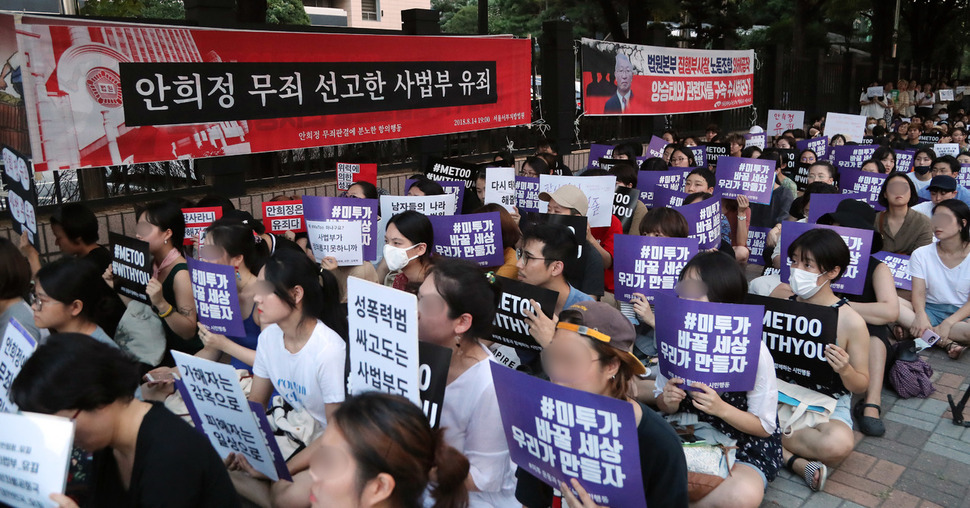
(568, 196)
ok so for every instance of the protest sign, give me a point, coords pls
(853, 127)
(500, 187)
(801, 175)
(527, 193)
(649, 265)
(598, 190)
(789, 160)
(383, 324)
(624, 204)
(456, 189)
(475, 237)
(351, 173)
(557, 433)
(445, 204)
(822, 204)
(875, 91)
(796, 333)
(715, 151)
(942, 149)
(656, 147)
(781, 120)
(753, 178)
(945, 94)
(36, 454)
(433, 378)
(712, 343)
(904, 160)
(930, 139)
(700, 155)
(362, 211)
(510, 327)
(851, 156)
(863, 182)
(131, 266)
(646, 180)
(963, 179)
(219, 408)
(898, 264)
(339, 239)
(597, 152)
(216, 297)
(757, 236)
(704, 221)
(667, 198)
(16, 346)
(452, 170)
(859, 241)
(819, 146)
(282, 216)
(197, 220)
(757, 140)
(18, 180)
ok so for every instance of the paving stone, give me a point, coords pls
(885, 472)
(909, 420)
(930, 487)
(900, 499)
(857, 463)
(851, 493)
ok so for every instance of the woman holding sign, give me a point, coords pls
(409, 242)
(818, 258)
(751, 417)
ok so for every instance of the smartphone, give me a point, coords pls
(161, 377)
(927, 341)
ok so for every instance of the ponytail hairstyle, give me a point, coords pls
(70, 279)
(288, 268)
(467, 290)
(165, 215)
(238, 238)
(389, 434)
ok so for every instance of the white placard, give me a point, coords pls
(383, 326)
(875, 91)
(599, 192)
(942, 149)
(444, 204)
(340, 239)
(217, 403)
(16, 347)
(946, 95)
(35, 451)
(781, 120)
(853, 127)
(500, 187)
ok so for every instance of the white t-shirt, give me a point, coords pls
(950, 286)
(920, 184)
(473, 425)
(763, 399)
(310, 378)
(925, 208)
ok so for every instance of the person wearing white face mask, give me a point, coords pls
(818, 258)
(409, 241)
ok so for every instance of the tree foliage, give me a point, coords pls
(286, 12)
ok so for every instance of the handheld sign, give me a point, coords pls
(717, 344)
(282, 216)
(647, 180)
(757, 237)
(864, 182)
(220, 410)
(17, 345)
(35, 452)
(875, 91)
(557, 433)
(340, 239)
(597, 152)
(859, 241)
(216, 297)
(700, 155)
(624, 204)
(510, 327)
(656, 147)
(667, 198)
(756, 139)
(197, 219)
(527, 193)
(780, 120)
(904, 160)
(433, 377)
(349, 174)
(476, 237)
(453, 170)
(853, 127)
(851, 156)
(746, 177)
(18, 179)
(898, 264)
(455, 188)
(715, 151)
(704, 221)
(649, 265)
(942, 149)
(383, 324)
(500, 187)
(131, 266)
(445, 204)
(946, 94)
(599, 192)
(818, 146)
(362, 211)
(796, 334)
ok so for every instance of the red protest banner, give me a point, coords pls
(283, 216)
(152, 93)
(197, 219)
(349, 174)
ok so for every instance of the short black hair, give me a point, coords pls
(833, 173)
(78, 222)
(216, 200)
(538, 164)
(913, 198)
(466, 290)
(962, 212)
(550, 143)
(949, 160)
(626, 149)
(428, 186)
(721, 274)
(625, 172)
(826, 247)
(705, 173)
(559, 244)
(74, 371)
(654, 164)
(416, 227)
(687, 153)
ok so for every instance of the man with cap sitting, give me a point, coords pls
(588, 273)
(941, 188)
(947, 165)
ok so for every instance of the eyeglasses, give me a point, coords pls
(38, 301)
(679, 159)
(522, 254)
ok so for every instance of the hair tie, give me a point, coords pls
(256, 236)
(490, 276)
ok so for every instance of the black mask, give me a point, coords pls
(921, 170)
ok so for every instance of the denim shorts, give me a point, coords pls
(843, 411)
(937, 312)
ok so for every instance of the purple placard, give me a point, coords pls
(859, 241)
(821, 204)
(746, 177)
(964, 177)
(904, 160)
(656, 147)
(216, 298)
(260, 413)
(527, 194)
(450, 186)
(851, 156)
(646, 180)
(700, 155)
(649, 265)
(704, 221)
(717, 344)
(899, 265)
(320, 208)
(667, 198)
(597, 152)
(864, 182)
(476, 237)
(756, 245)
(531, 407)
(818, 145)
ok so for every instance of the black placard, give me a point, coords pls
(18, 180)
(131, 266)
(715, 151)
(624, 204)
(510, 327)
(452, 170)
(434, 362)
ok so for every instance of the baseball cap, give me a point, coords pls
(604, 323)
(945, 183)
(851, 213)
(568, 196)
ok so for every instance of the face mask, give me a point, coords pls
(871, 126)
(803, 283)
(921, 170)
(397, 257)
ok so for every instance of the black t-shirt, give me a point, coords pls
(663, 468)
(586, 273)
(175, 467)
(100, 257)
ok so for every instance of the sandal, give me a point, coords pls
(953, 349)
(809, 473)
(868, 425)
